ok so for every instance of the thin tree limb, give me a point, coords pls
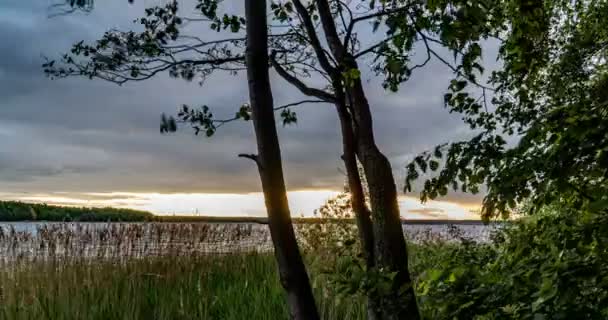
(312, 36)
(253, 157)
(314, 92)
(356, 20)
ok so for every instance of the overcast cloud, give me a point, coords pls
(78, 135)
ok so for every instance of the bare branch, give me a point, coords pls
(329, 28)
(253, 157)
(312, 36)
(325, 96)
(426, 39)
(341, 14)
(293, 104)
(375, 46)
(356, 20)
(449, 65)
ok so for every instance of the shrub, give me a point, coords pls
(549, 266)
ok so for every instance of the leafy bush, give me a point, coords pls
(549, 266)
(334, 251)
(553, 265)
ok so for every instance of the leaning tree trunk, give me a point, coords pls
(357, 195)
(291, 267)
(390, 247)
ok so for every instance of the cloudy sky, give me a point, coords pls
(87, 142)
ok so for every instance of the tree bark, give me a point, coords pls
(390, 247)
(292, 272)
(357, 194)
(357, 199)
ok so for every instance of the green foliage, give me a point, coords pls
(550, 96)
(549, 266)
(453, 24)
(553, 265)
(349, 76)
(20, 211)
(334, 251)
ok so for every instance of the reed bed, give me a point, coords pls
(124, 241)
(146, 271)
(156, 271)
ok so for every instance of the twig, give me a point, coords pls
(253, 157)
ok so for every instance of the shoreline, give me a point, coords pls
(262, 220)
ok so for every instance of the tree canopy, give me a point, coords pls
(544, 134)
(399, 27)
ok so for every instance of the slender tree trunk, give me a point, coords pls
(357, 194)
(355, 186)
(389, 250)
(390, 247)
(291, 267)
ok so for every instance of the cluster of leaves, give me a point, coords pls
(202, 120)
(20, 211)
(544, 135)
(122, 56)
(435, 25)
(549, 266)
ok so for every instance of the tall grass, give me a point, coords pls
(146, 271)
(211, 287)
(160, 271)
(242, 286)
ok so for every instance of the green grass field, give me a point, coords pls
(202, 287)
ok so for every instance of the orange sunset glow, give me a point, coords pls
(302, 203)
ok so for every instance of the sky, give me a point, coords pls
(87, 142)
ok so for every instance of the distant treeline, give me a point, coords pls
(21, 211)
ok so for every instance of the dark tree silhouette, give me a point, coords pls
(291, 267)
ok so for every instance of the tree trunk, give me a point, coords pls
(390, 247)
(357, 194)
(294, 278)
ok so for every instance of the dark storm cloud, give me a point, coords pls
(80, 135)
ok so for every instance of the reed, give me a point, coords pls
(159, 271)
(146, 271)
